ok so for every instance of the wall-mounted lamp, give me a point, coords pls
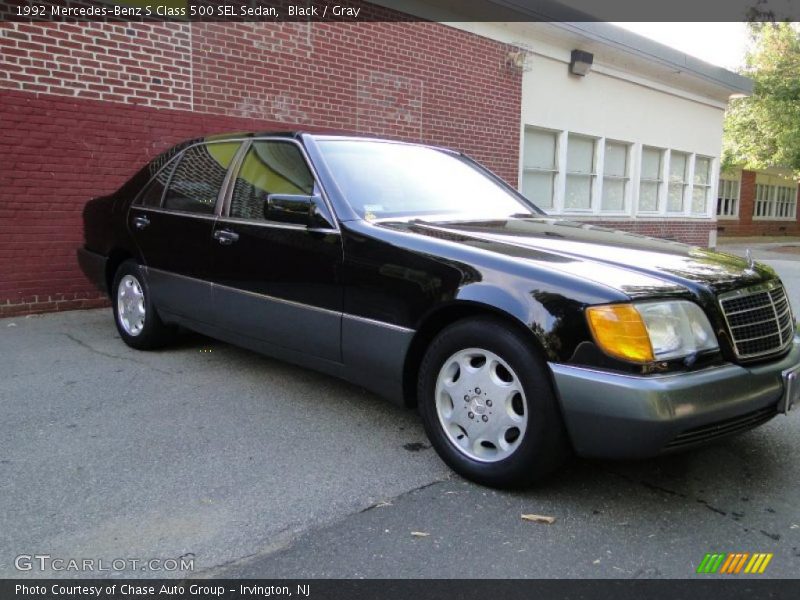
(580, 62)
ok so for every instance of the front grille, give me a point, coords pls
(706, 433)
(759, 319)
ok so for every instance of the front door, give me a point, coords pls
(276, 282)
(172, 225)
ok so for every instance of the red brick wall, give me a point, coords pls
(745, 225)
(83, 106)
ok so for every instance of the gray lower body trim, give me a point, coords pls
(619, 416)
(93, 266)
(184, 296)
(363, 351)
(287, 324)
(376, 353)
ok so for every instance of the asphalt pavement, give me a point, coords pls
(251, 467)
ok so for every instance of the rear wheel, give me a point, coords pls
(137, 321)
(488, 406)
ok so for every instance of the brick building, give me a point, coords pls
(84, 105)
(757, 203)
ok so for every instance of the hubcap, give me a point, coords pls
(481, 405)
(130, 305)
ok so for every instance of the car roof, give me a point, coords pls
(298, 134)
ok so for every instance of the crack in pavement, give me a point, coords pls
(94, 350)
(285, 538)
(735, 516)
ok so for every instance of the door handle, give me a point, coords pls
(141, 222)
(225, 236)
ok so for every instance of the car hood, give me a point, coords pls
(632, 263)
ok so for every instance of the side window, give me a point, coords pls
(155, 190)
(198, 177)
(269, 168)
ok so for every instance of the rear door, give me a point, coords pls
(276, 282)
(172, 226)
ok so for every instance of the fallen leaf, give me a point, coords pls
(420, 533)
(539, 519)
(11, 325)
(383, 503)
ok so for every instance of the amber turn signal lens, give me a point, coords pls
(619, 330)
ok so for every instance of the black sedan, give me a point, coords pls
(415, 272)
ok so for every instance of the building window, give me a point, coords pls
(775, 199)
(580, 173)
(728, 198)
(785, 202)
(539, 166)
(678, 167)
(615, 177)
(701, 190)
(568, 172)
(763, 205)
(650, 181)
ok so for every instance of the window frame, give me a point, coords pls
(708, 187)
(591, 175)
(625, 179)
(735, 183)
(661, 189)
(172, 164)
(773, 185)
(633, 179)
(220, 194)
(686, 183)
(233, 174)
(554, 172)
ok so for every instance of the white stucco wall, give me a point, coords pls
(601, 105)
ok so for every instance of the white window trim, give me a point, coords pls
(594, 186)
(738, 181)
(709, 187)
(772, 202)
(686, 184)
(555, 171)
(662, 182)
(632, 180)
(601, 177)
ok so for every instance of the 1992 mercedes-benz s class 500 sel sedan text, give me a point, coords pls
(416, 273)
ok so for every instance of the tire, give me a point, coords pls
(135, 315)
(508, 433)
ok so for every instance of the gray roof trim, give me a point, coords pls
(587, 26)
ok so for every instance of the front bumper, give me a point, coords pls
(611, 415)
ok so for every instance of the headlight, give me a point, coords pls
(648, 331)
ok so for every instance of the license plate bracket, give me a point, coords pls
(791, 390)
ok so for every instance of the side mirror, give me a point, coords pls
(298, 209)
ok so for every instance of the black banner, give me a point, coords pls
(271, 11)
(391, 589)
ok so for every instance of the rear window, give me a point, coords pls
(198, 177)
(155, 189)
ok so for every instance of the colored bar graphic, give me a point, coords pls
(701, 568)
(732, 563)
(726, 566)
(741, 562)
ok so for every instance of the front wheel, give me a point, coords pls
(488, 406)
(136, 318)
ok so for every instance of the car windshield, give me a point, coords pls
(384, 180)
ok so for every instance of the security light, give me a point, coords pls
(580, 62)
